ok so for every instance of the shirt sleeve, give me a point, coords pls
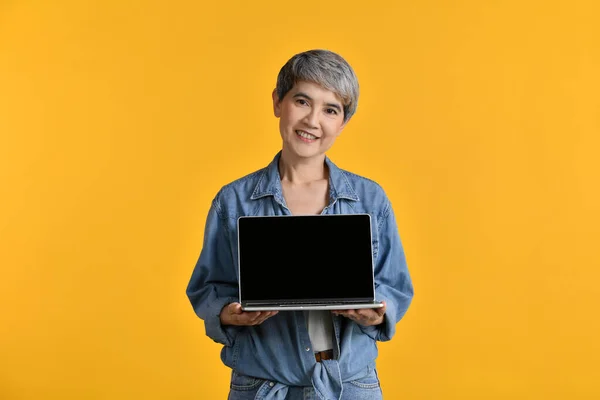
(392, 279)
(213, 283)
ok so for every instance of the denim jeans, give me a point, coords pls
(249, 388)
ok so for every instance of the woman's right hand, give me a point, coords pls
(232, 314)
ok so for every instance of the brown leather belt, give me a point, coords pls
(324, 355)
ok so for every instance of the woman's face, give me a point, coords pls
(310, 119)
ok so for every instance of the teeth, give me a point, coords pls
(306, 135)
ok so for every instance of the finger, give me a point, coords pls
(366, 314)
(339, 312)
(267, 316)
(256, 316)
(351, 314)
(261, 320)
(248, 318)
(264, 317)
(381, 310)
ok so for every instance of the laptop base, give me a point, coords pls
(302, 307)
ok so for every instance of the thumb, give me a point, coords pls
(235, 308)
(381, 310)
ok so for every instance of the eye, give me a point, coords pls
(331, 111)
(302, 102)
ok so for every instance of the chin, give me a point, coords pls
(303, 153)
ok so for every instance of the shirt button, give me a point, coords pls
(271, 384)
(308, 349)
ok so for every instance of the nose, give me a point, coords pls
(311, 119)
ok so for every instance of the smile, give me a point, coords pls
(305, 135)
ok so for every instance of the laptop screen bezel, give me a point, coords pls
(311, 300)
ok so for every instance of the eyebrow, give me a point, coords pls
(332, 105)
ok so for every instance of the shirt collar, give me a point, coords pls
(269, 183)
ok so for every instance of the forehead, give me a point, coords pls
(315, 92)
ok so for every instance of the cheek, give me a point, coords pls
(288, 116)
(332, 128)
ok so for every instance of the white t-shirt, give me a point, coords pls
(320, 330)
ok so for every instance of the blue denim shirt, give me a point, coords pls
(279, 349)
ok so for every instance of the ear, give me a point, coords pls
(276, 104)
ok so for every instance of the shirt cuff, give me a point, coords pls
(385, 330)
(221, 334)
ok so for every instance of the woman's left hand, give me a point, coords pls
(364, 316)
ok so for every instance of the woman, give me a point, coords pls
(297, 355)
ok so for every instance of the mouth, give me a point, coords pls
(306, 136)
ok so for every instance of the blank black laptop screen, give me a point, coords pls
(305, 257)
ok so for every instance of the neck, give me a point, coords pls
(298, 170)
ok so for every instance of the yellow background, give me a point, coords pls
(120, 120)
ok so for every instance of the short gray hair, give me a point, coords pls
(325, 68)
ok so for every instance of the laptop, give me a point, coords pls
(308, 262)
